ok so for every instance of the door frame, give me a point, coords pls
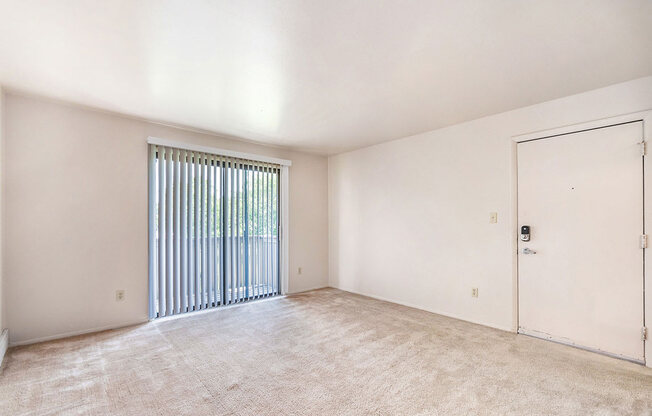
(646, 118)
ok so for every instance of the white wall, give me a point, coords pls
(409, 219)
(76, 209)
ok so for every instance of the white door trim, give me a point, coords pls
(646, 118)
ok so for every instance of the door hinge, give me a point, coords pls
(643, 145)
(643, 240)
(644, 333)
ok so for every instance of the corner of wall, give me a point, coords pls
(328, 220)
(330, 214)
(4, 333)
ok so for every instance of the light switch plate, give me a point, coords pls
(493, 217)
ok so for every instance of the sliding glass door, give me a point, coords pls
(213, 230)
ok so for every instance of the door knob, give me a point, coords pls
(526, 250)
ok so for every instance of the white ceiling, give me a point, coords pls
(324, 76)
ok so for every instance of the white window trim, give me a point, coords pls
(285, 227)
(216, 151)
(285, 191)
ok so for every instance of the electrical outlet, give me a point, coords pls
(493, 217)
(300, 270)
(119, 295)
(474, 292)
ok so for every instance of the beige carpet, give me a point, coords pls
(324, 352)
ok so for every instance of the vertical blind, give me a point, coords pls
(213, 230)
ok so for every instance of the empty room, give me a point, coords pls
(325, 207)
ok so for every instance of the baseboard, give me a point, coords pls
(446, 314)
(308, 290)
(75, 333)
(117, 326)
(4, 344)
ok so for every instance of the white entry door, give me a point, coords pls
(581, 273)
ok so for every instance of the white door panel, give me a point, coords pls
(582, 195)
